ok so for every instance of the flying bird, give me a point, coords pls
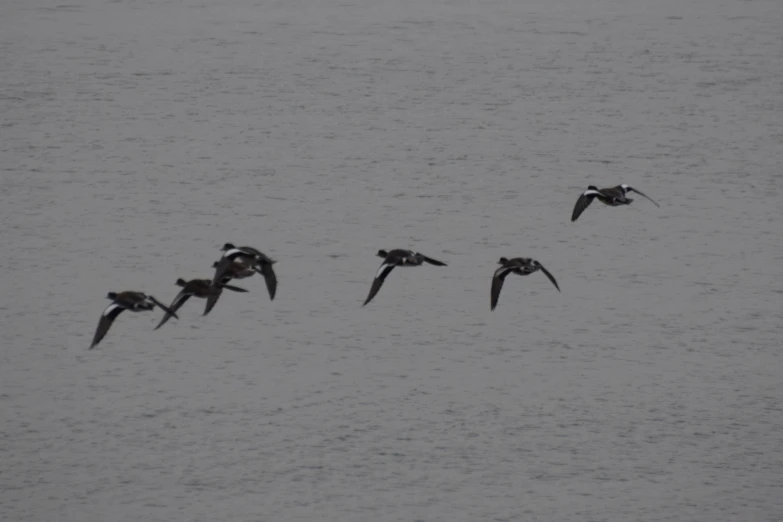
(202, 288)
(614, 196)
(237, 269)
(394, 258)
(253, 259)
(131, 301)
(520, 266)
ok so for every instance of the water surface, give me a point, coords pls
(137, 137)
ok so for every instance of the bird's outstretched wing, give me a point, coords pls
(644, 196)
(380, 277)
(212, 299)
(270, 278)
(220, 269)
(548, 275)
(497, 285)
(175, 305)
(233, 288)
(583, 202)
(163, 307)
(107, 318)
(432, 261)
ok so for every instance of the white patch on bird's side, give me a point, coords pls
(111, 308)
(381, 269)
(503, 269)
(591, 192)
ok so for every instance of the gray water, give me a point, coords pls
(139, 136)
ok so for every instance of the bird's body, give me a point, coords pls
(612, 196)
(202, 288)
(520, 266)
(129, 300)
(237, 269)
(397, 257)
(252, 259)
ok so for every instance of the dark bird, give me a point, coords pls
(614, 196)
(132, 301)
(237, 269)
(520, 266)
(253, 259)
(202, 288)
(394, 258)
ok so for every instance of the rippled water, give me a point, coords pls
(137, 137)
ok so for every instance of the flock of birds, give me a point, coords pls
(242, 262)
(236, 263)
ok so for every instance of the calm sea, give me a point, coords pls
(137, 137)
